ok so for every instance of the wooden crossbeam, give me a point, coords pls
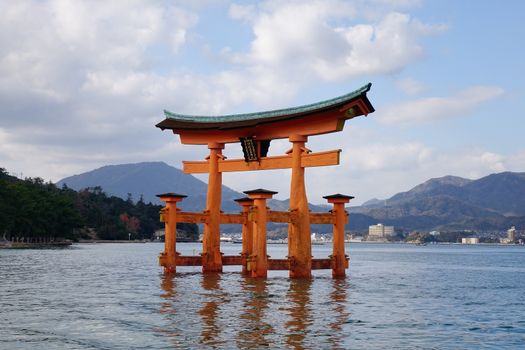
(273, 264)
(322, 218)
(321, 264)
(241, 218)
(278, 264)
(231, 260)
(183, 260)
(281, 216)
(192, 218)
(266, 163)
(201, 218)
(284, 264)
(233, 218)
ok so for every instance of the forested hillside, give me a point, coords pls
(34, 211)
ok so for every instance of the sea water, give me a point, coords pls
(395, 296)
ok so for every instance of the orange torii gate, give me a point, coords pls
(255, 131)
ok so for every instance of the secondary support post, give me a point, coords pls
(299, 238)
(247, 233)
(339, 259)
(211, 244)
(259, 257)
(170, 235)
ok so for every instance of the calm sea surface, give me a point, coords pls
(114, 296)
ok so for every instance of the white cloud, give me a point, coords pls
(384, 47)
(80, 87)
(494, 162)
(78, 75)
(475, 163)
(439, 108)
(247, 12)
(386, 169)
(410, 86)
(75, 82)
(322, 39)
(49, 48)
(381, 157)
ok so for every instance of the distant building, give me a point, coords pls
(159, 234)
(380, 231)
(434, 233)
(511, 234)
(470, 240)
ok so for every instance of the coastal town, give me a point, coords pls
(381, 233)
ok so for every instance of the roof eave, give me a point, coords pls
(185, 122)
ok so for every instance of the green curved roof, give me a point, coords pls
(183, 121)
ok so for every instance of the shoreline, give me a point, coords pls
(20, 245)
(23, 245)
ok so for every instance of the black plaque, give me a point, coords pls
(249, 149)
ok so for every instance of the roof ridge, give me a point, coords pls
(271, 113)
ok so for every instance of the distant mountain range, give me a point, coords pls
(494, 202)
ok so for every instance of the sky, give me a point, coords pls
(83, 83)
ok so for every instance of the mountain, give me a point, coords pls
(448, 186)
(503, 193)
(148, 179)
(284, 205)
(493, 202)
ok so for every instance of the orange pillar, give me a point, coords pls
(169, 258)
(259, 256)
(339, 259)
(211, 244)
(299, 239)
(247, 233)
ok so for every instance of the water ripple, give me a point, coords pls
(113, 296)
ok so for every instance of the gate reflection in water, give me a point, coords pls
(254, 313)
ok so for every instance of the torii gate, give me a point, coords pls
(255, 131)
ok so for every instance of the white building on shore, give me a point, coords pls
(511, 236)
(380, 231)
(470, 240)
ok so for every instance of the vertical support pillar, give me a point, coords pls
(211, 244)
(299, 238)
(259, 257)
(247, 233)
(339, 258)
(169, 214)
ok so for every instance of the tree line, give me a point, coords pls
(34, 211)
